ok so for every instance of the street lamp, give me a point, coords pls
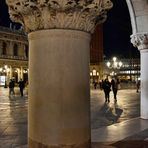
(114, 64)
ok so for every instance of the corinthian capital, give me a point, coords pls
(63, 14)
(140, 40)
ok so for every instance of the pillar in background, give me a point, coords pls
(59, 88)
(59, 39)
(140, 40)
(21, 72)
(11, 75)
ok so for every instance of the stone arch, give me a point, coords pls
(139, 18)
(139, 15)
(132, 15)
(75, 104)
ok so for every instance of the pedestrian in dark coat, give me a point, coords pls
(107, 88)
(115, 86)
(95, 85)
(21, 86)
(138, 86)
(11, 87)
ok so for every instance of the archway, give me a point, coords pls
(117, 31)
(139, 38)
(38, 140)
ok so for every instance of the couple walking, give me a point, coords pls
(21, 85)
(114, 84)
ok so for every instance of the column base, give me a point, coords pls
(35, 144)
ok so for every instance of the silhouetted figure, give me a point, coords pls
(107, 88)
(137, 85)
(95, 85)
(21, 86)
(11, 87)
(115, 86)
(100, 84)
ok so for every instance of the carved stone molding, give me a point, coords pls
(140, 40)
(61, 14)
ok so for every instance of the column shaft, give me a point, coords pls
(19, 74)
(11, 75)
(59, 94)
(21, 71)
(144, 84)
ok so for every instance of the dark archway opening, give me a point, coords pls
(4, 48)
(15, 50)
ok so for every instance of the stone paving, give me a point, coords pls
(105, 114)
(13, 114)
(13, 120)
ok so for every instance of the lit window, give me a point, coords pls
(15, 50)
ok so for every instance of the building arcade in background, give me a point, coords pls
(13, 55)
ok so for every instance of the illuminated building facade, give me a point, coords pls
(14, 58)
(128, 71)
(13, 55)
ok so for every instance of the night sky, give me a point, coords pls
(4, 16)
(117, 30)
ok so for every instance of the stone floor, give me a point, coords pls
(104, 114)
(114, 125)
(13, 120)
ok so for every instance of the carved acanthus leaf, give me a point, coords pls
(140, 40)
(65, 14)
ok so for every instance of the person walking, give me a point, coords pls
(100, 84)
(137, 86)
(11, 87)
(115, 86)
(95, 85)
(106, 86)
(21, 86)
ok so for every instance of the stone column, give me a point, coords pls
(19, 74)
(59, 38)
(140, 40)
(21, 71)
(10, 72)
(59, 88)
(10, 49)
